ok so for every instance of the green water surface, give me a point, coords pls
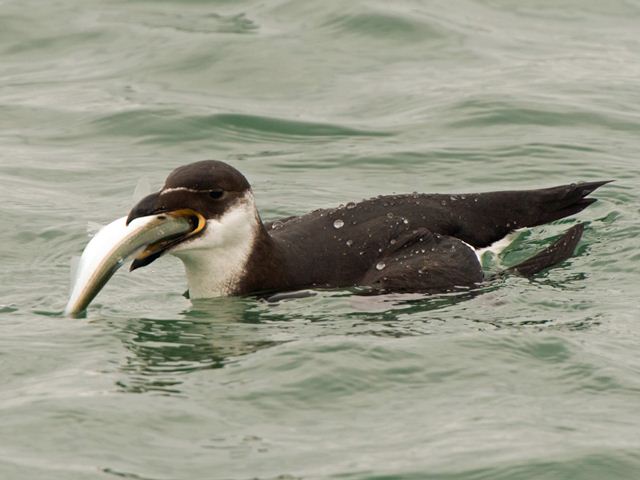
(318, 103)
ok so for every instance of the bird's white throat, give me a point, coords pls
(216, 260)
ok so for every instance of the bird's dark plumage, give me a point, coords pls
(420, 238)
(400, 243)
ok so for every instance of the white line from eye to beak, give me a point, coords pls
(184, 189)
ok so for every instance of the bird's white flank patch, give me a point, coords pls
(497, 247)
(215, 260)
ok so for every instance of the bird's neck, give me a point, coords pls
(266, 269)
(215, 273)
(235, 256)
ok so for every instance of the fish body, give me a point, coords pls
(110, 248)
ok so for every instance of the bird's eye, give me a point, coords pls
(216, 194)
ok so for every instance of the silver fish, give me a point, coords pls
(110, 248)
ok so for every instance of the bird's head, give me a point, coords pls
(215, 197)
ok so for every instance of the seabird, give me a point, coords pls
(422, 243)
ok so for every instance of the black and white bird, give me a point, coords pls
(401, 243)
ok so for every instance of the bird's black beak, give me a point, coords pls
(153, 205)
(149, 205)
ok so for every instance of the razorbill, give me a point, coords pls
(392, 243)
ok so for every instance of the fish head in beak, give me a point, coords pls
(203, 192)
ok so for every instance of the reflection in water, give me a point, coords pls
(206, 337)
(214, 332)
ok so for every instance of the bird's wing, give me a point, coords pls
(424, 262)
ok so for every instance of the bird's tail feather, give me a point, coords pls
(559, 202)
(555, 253)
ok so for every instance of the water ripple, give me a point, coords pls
(379, 26)
(168, 126)
(318, 103)
(478, 113)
